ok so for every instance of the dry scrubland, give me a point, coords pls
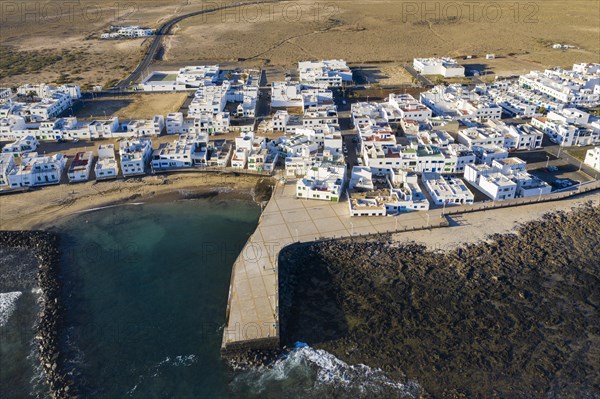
(142, 106)
(65, 46)
(64, 49)
(363, 31)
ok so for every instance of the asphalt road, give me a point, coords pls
(163, 30)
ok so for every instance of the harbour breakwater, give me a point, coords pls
(515, 315)
(44, 245)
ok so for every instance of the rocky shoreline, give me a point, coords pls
(45, 247)
(516, 315)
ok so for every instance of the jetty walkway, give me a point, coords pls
(252, 309)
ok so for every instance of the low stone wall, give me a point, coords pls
(45, 247)
(251, 353)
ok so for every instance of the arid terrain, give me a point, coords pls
(143, 106)
(513, 316)
(64, 46)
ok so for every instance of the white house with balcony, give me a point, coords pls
(21, 146)
(329, 73)
(144, 127)
(135, 155)
(491, 182)
(80, 167)
(384, 194)
(569, 127)
(460, 103)
(447, 190)
(5, 94)
(37, 170)
(190, 150)
(323, 182)
(106, 166)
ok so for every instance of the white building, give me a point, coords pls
(196, 76)
(385, 194)
(286, 94)
(80, 167)
(21, 146)
(592, 158)
(106, 166)
(5, 94)
(447, 190)
(103, 128)
(324, 182)
(37, 170)
(190, 150)
(409, 108)
(458, 102)
(174, 123)
(145, 127)
(328, 73)
(135, 155)
(447, 67)
(43, 90)
(220, 153)
(320, 115)
(491, 182)
(506, 179)
(569, 127)
(127, 32)
(574, 87)
(486, 154)
(7, 164)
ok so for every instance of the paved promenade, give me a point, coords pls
(252, 314)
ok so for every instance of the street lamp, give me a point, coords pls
(547, 161)
(580, 165)
(540, 196)
(559, 148)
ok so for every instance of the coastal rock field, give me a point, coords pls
(515, 316)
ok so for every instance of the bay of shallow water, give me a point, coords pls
(146, 292)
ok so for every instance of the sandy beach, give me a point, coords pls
(43, 206)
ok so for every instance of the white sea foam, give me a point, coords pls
(314, 373)
(109, 206)
(8, 302)
(154, 371)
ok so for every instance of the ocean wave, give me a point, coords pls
(8, 303)
(314, 373)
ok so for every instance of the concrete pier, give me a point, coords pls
(252, 309)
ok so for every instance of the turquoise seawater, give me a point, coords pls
(146, 292)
